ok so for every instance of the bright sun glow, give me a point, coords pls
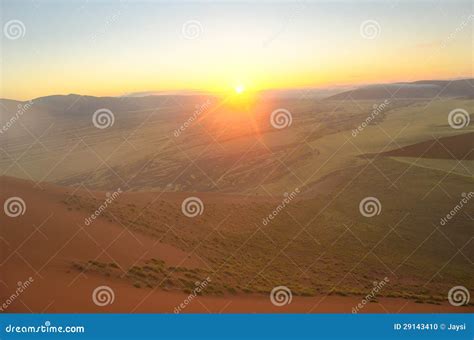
(241, 98)
(239, 89)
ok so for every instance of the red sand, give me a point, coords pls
(45, 241)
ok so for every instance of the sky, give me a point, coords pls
(110, 48)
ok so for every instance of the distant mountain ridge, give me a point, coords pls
(74, 104)
(422, 89)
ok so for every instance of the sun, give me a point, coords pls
(239, 89)
(240, 97)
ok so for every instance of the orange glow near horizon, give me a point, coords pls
(19, 88)
(238, 113)
(241, 100)
(146, 49)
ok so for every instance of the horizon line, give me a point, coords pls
(196, 92)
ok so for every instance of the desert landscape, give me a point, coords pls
(236, 157)
(310, 176)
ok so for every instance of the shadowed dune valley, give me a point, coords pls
(160, 157)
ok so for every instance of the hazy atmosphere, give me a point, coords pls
(236, 157)
(110, 48)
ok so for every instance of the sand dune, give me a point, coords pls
(45, 242)
(458, 147)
